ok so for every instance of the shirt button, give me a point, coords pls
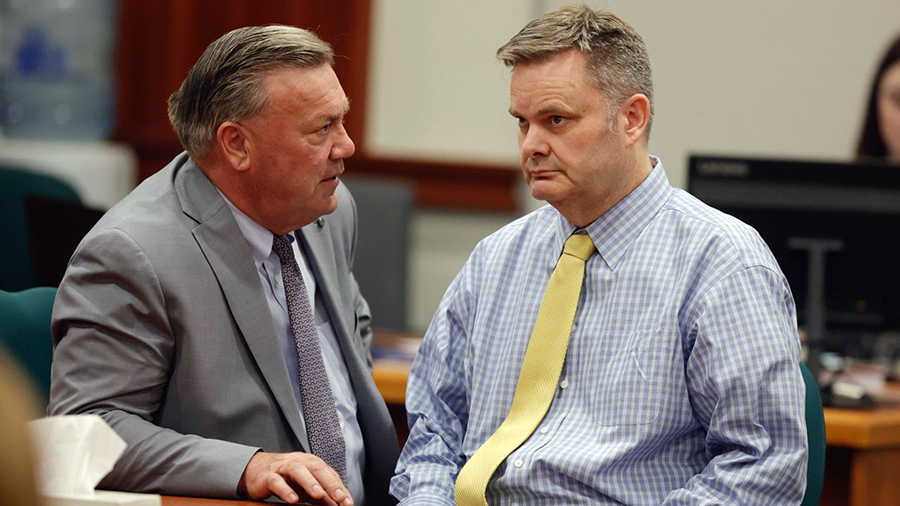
(545, 429)
(518, 463)
(564, 384)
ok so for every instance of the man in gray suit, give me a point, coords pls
(185, 312)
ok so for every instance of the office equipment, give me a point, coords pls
(831, 227)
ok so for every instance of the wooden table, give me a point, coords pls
(390, 378)
(862, 462)
(168, 500)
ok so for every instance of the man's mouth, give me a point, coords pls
(542, 173)
(334, 177)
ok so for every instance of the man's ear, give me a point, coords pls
(235, 144)
(634, 117)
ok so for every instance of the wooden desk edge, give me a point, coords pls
(864, 429)
(171, 500)
(390, 378)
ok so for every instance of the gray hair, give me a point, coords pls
(618, 64)
(225, 83)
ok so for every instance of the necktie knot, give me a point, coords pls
(580, 246)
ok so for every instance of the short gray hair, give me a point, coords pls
(618, 64)
(225, 83)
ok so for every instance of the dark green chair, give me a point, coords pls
(25, 331)
(815, 427)
(16, 271)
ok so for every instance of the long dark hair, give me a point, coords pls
(871, 144)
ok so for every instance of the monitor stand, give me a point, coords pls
(816, 314)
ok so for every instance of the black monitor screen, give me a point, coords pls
(853, 209)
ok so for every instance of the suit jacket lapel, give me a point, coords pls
(321, 256)
(230, 258)
(374, 420)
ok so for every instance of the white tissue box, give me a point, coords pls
(103, 497)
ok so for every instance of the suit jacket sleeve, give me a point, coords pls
(114, 348)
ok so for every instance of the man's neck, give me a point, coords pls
(582, 214)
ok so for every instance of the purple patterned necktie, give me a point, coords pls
(325, 438)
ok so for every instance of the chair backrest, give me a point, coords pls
(815, 427)
(25, 331)
(55, 228)
(16, 271)
(381, 263)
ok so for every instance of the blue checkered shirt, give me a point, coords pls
(681, 384)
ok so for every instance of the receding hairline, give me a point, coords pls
(224, 83)
(268, 74)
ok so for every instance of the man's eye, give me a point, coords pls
(325, 128)
(557, 120)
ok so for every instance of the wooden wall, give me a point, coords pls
(159, 41)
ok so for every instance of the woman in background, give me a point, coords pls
(880, 139)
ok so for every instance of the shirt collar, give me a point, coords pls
(258, 237)
(617, 228)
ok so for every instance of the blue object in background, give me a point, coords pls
(36, 58)
(57, 78)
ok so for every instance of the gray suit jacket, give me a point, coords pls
(161, 327)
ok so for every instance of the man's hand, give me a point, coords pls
(292, 476)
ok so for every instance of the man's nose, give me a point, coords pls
(533, 143)
(344, 146)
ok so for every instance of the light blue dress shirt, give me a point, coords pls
(681, 383)
(269, 268)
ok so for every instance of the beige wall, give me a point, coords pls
(768, 78)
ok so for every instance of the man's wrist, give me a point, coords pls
(242, 483)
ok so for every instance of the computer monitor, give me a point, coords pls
(849, 212)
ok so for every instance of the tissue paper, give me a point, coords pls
(74, 453)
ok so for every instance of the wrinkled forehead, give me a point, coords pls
(309, 88)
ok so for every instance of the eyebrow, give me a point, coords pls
(545, 111)
(332, 118)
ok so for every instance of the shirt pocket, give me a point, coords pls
(629, 386)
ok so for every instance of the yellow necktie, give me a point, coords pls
(540, 372)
